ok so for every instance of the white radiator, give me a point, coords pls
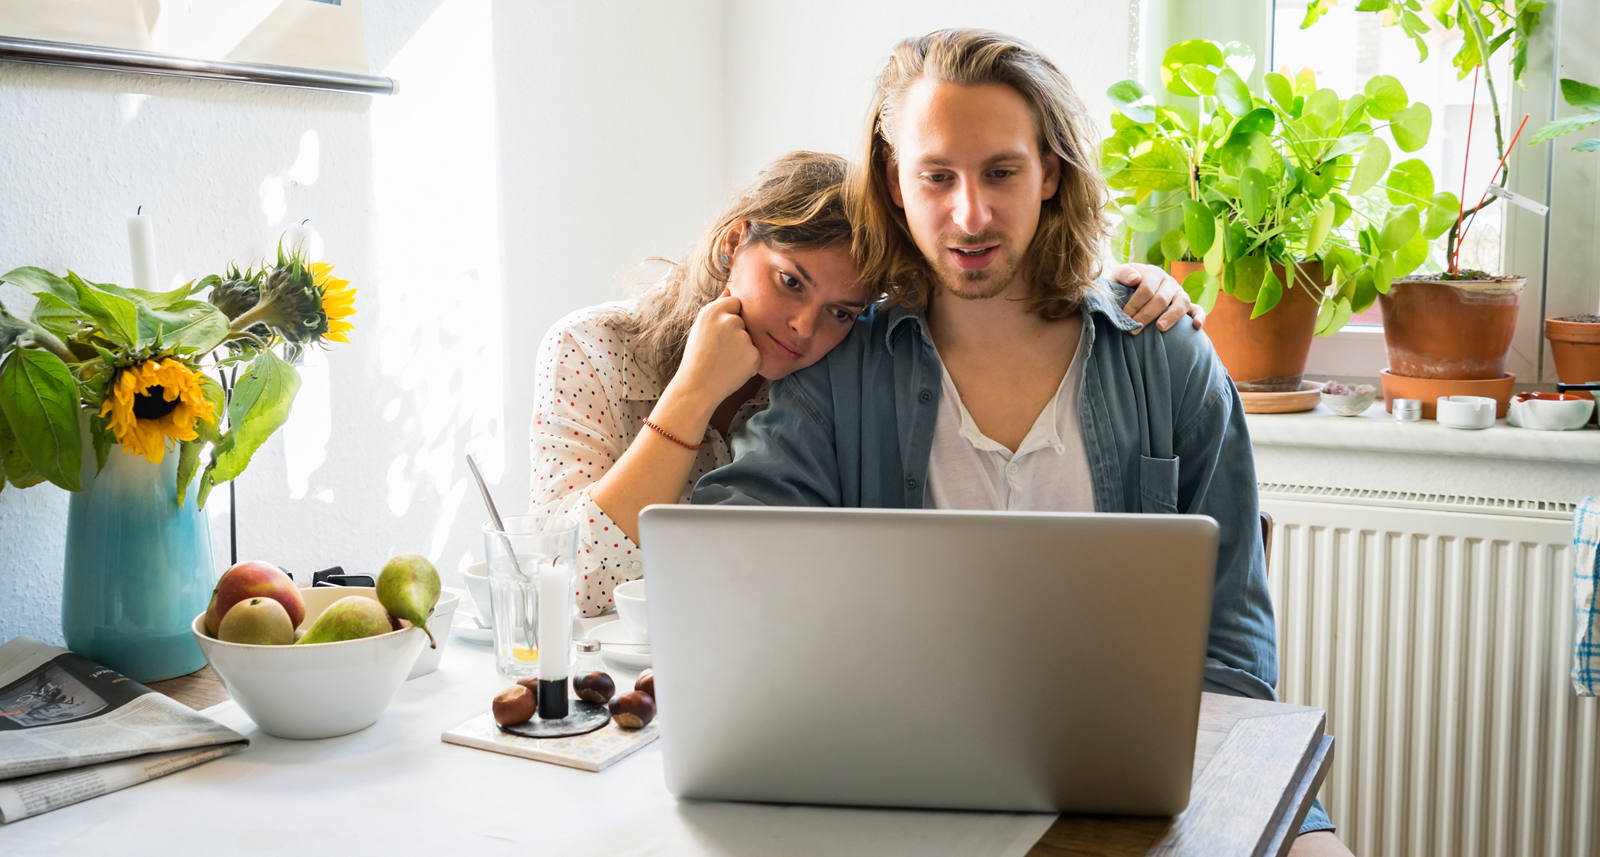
(1437, 633)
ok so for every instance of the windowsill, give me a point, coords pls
(1376, 430)
(1372, 451)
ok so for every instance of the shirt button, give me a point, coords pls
(1012, 468)
(925, 396)
(635, 565)
(911, 483)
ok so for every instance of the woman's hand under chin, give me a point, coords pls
(1156, 297)
(719, 356)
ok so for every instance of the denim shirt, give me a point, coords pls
(1163, 430)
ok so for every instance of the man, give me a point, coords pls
(999, 375)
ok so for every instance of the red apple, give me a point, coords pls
(254, 579)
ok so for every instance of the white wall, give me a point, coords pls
(513, 178)
(535, 152)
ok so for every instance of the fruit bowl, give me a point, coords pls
(318, 690)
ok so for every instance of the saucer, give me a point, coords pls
(630, 657)
(466, 626)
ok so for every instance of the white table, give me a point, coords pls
(395, 789)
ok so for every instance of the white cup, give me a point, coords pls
(477, 578)
(1465, 412)
(630, 606)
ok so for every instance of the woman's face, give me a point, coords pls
(796, 306)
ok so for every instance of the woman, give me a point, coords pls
(637, 399)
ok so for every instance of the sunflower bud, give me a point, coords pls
(237, 294)
(290, 303)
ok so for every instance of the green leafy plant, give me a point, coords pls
(129, 366)
(1242, 180)
(1585, 98)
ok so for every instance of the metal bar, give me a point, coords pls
(143, 62)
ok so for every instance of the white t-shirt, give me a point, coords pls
(1049, 472)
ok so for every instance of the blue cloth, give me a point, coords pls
(1586, 597)
(1163, 430)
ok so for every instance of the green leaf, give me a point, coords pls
(40, 401)
(39, 281)
(1412, 255)
(1410, 182)
(1239, 57)
(14, 465)
(1199, 79)
(259, 405)
(1181, 118)
(1591, 145)
(1321, 225)
(57, 316)
(1322, 110)
(1199, 227)
(1564, 125)
(1164, 165)
(1194, 52)
(1271, 292)
(188, 462)
(1247, 272)
(1132, 99)
(1580, 94)
(118, 317)
(1214, 256)
(1201, 286)
(101, 438)
(1442, 211)
(1410, 127)
(1258, 121)
(1400, 227)
(1333, 316)
(1280, 89)
(1233, 93)
(1386, 96)
(1254, 193)
(1374, 160)
(188, 327)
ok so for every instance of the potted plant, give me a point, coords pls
(1456, 328)
(1280, 212)
(1575, 339)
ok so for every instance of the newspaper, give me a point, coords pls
(71, 730)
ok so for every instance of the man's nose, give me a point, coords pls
(971, 212)
(804, 322)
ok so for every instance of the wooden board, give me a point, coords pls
(1303, 399)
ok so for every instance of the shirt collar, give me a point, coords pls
(1104, 298)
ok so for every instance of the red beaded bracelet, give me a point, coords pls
(672, 437)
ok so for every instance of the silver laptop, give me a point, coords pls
(1042, 662)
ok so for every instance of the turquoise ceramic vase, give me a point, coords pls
(138, 569)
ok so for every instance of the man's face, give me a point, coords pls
(969, 174)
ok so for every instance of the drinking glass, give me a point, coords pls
(532, 553)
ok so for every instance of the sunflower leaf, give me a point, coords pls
(102, 438)
(186, 327)
(210, 431)
(259, 405)
(188, 462)
(40, 401)
(39, 281)
(118, 316)
(14, 466)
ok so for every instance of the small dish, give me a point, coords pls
(1550, 411)
(1465, 412)
(468, 627)
(1354, 401)
(612, 633)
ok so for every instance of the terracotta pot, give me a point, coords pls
(1428, 391)
(1455, 329)
(1266, 354)
(1576, 346)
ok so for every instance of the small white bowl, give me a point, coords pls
(477, 578)
(1465, 412)
(439, 623)
(1550, 411)
(318, 690)
(1351, 404)
(630, 607)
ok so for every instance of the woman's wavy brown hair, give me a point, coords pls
(795, 203)
(1064, 257)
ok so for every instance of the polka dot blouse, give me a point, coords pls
(591, 402)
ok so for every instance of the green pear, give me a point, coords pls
(259, 621)
(350, 618)
(408, 586)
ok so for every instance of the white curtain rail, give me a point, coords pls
(143, 62)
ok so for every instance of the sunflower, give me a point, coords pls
(338, 301)
(152, 401)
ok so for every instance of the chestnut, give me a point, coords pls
(595, 687)
(513, 705)
(646, 682)
(633, 710)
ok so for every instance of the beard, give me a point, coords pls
(977, 285)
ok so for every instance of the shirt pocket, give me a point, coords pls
(1158, 485)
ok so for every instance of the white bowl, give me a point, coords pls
(439, 623)
(1549, 411)
(630, 607)
(1465, 412)
(477, 578)
(1351, 404)
(318, 690)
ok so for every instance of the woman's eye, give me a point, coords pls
(788, 281)
(935, 178)
(1002, 173)
(844, 315)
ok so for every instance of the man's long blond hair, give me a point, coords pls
(795, 203)
(1063, 258)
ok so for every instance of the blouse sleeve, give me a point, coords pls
(575, 437)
